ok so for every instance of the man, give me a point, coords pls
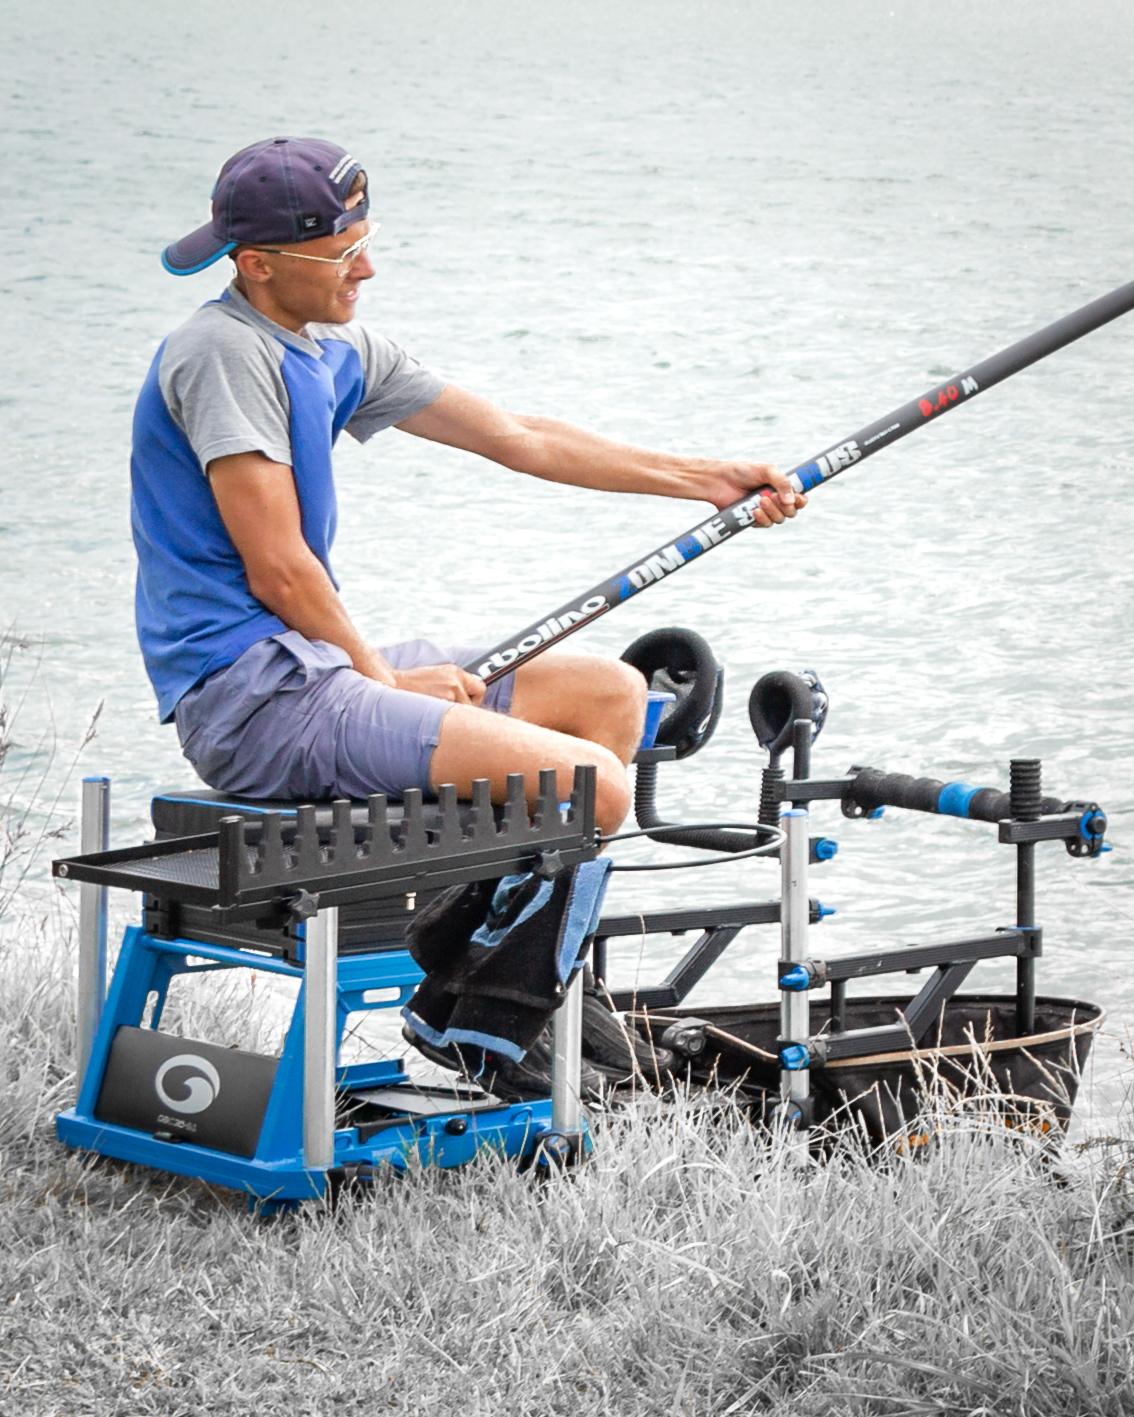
(248, 646)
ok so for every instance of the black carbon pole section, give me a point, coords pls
(724, 525)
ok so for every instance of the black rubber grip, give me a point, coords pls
(872, 789)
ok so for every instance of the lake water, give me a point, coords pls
(727, 229)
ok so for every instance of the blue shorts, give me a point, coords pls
(291, 719)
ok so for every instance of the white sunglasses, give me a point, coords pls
(343, 262)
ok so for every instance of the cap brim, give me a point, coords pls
(195, 252)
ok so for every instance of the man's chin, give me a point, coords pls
(346, 310)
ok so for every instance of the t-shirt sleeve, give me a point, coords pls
(225, 392)
(397, 385)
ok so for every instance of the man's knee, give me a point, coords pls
(617, 709)
(585, 696)
(625, 685)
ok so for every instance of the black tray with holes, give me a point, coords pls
(248, 867)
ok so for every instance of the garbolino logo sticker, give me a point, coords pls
(202, 1088)
(552, 628)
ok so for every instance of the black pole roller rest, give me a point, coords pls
(872, 789)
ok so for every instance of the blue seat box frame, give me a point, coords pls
(258, 890)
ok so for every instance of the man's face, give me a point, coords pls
(293, 290)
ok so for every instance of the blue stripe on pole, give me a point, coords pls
(954, 798)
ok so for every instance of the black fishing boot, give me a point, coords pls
(617, 1051)
(530, 1078)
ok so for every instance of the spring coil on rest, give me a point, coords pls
(702, 838)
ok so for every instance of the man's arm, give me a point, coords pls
(561, 452)
(260, 510)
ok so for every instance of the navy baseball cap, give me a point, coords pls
(275, 192)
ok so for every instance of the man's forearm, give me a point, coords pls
(562, 452)
(303, 597)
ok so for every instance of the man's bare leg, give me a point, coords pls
(578, 709)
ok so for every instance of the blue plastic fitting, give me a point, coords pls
(825, 849)
(655, 705)
(825, 910)
(796, 979)
(873, 816)
(794, 1058)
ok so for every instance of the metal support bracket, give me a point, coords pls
(94, 835)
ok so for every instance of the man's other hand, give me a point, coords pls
(441, 681)
(735, 479)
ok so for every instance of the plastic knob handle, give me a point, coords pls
(794, 1058)
(796, 979)
(825, 849)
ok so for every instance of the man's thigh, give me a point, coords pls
(327, 732)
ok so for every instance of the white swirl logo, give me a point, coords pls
(202, 1089)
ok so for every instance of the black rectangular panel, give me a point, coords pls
(214, 1097)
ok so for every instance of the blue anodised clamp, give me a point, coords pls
(796, 979)
(795, 1057)
(1088, 839)
(825, 849)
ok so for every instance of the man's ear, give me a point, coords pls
(251, 265)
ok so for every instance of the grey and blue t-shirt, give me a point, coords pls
(232, 381)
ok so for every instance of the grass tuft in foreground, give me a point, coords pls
(685, 1270)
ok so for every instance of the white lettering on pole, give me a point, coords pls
(969, 385)
(840, 457)
(662, 562)
(711, 534)
(549, 630)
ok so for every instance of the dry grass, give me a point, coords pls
(685, 1270)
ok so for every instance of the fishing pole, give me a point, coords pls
(509, 654)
